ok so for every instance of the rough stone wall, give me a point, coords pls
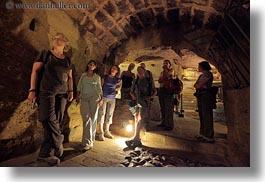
(237, 113)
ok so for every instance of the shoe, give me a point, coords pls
(129, 143)
(52, 160)
(86, 148)
(108, 135)
(133, 143)
(136, 143)
(58, 152)
(198, 137)
(100, 137)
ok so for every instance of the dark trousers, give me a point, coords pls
(166, 102)
(51, 112)
(206, 115)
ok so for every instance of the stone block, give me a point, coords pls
(138, 4)
(219, 5)
(135, 24)
(109, 7)
(198, 18)
(115, 32)
(123, 7)
(171, 3)
(101, 17)
(146, 17)
(156, 2)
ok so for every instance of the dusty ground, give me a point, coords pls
(161, 148)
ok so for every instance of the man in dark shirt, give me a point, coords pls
(141, 93)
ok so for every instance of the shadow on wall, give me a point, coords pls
(20, 130)
(18, 125)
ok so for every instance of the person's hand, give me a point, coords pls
(154, 93)
(77, 100)
(100, 103)
(70, 96)
(32, 97)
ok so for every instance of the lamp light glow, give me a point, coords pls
(129, 128)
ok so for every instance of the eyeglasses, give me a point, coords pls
(58, 38)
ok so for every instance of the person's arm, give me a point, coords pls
(33, 81)
(132, 91)
(151, 75)
(122, 74)
(153, 88)
(99, 89)
(102, 82)
(70, 86)
(162, 77)
(118, 84)
(79, 85)
(133, 75)
(201, 83)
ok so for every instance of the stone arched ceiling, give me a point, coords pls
(114, 20)
(106, 24)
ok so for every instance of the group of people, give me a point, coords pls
(52, 85)
(97, 102)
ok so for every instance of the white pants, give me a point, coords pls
(105, 113)
(89, 111)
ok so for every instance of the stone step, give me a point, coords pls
(166, 141)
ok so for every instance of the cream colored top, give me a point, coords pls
(90, 86)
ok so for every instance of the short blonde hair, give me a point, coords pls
(64, 38)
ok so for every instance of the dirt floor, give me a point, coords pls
(177, 148)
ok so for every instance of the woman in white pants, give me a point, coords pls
(90, 92)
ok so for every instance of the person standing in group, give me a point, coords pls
(205, 102)
(142, 90)
(89, 91)
(127, 78)
(109, 83)
(149, 73)
(51, 86)
(166, 99)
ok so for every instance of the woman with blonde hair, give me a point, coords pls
(51, 86)
(143, 88)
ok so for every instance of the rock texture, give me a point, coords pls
(141, 157)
